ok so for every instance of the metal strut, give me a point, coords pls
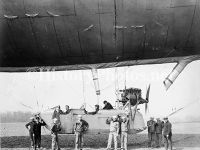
(96, 83)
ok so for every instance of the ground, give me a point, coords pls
(136, 142)
(105, 149)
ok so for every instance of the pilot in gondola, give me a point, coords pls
(107, 105)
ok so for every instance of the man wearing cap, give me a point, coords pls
(37, 131)
(80, 127)
(124, 132)
(158, 130)
(30, 127)
(167, 133)
(114, 131)
(151, 131)
(54, 134)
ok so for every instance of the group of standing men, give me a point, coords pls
(157, 130)
(80, 127)
(119, 126)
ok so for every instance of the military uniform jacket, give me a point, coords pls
(114, 126)
(159, 127)
(31, 125)
(167, 129)
(81, 126)
(57, 114)
(151, 126)
(124, 126)
(108, 106)
(37, 127)
(55, 129)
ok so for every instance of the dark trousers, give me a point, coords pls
(31, 135)
(158, 139)
(38, 140)
(151, 138)
(168, 141)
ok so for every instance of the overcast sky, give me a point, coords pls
(75, 87)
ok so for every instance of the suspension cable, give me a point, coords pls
(83, 88)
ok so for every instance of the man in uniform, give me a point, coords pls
(30, 127)
(124, 132)
(158, 131)
(107, 105)
(167, 133)
(151, 131)
(67, 110)
(80, 127)
(114, 131)
(56, 113)
(54, 134)
(37, 131)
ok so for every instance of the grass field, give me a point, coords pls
(16, 136)
(99, 141)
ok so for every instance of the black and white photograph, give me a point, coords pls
(100, 74)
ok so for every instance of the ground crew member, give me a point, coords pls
(80, 127)
(158, 130)
(37, 131)
(151, 131)
(167, 133)
(30, 127)
(107, 105)
(124, 132)
(114, 131)
(56, 113)
(54, 134)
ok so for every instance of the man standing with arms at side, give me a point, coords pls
(151, 131)
(80, 127)
(114, 131)
(158, 128)
(124, 132)
(167, 133)
(54, 134)
(30, 127)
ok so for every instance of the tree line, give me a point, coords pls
(17, 116)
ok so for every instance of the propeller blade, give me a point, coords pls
(146, 108)
(147, 98)
(148, 91)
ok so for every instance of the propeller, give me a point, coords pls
(147, 98)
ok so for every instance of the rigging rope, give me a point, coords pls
(117, 86)
(84, 99)
(125, 78)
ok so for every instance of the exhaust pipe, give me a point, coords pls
(175, 73)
